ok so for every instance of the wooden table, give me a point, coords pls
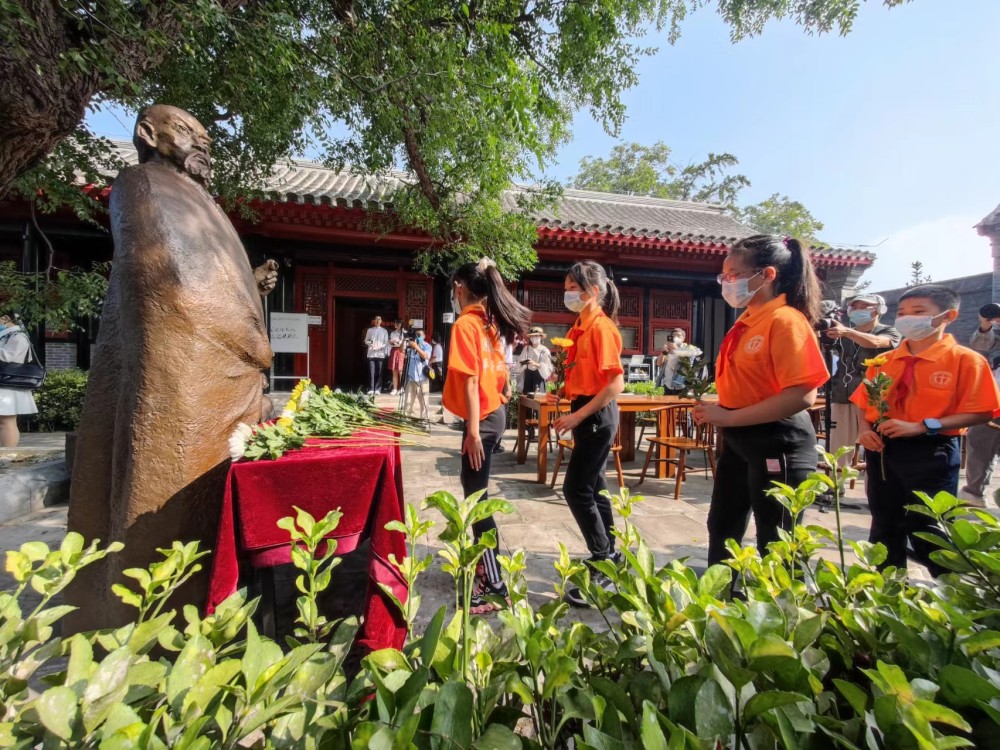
(628, 406)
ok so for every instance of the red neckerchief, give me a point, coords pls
(728, 349)
(904, 385)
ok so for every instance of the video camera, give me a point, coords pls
(830, 316)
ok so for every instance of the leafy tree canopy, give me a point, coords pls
(466, 94)
(634, 169)
(779, 214)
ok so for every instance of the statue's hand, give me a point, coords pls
(267, 277)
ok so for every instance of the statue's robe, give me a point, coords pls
(179, 363)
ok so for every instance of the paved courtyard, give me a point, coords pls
(673, 528)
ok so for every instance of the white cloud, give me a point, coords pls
(948, 247)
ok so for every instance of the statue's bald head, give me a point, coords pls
(174, 136)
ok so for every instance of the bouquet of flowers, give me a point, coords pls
(559, 363)
(313, 412)
(877, 391)
(693, 371)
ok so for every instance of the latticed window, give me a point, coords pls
(668, 310)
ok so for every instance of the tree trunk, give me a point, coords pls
(43, 99)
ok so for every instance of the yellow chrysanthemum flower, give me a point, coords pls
(875, 361)
(291, 406)
(326, 390)
(564, 343)
(285, 422)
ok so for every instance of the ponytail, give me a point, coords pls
(800, 284)
(588, 274)
(484, 281)
(790, 258)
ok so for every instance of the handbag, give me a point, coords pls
(22, 375)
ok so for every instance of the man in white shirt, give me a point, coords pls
(377, 342)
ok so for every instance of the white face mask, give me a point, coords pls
(535, 340)
(737, 293)
(916, 327)
(573, 301)
(456, 306)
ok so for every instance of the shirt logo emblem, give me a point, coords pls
(754, 345)
(941, 379)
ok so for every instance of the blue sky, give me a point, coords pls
(888, 133)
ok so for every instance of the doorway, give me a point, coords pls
(353, 317)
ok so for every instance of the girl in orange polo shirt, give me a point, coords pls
(593, 382)
(767, 373)
(477, 389)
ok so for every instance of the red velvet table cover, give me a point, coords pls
(365, 483)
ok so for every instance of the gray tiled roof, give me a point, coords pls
(990, 223)
(641, 217)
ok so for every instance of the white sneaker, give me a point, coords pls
(973, 501)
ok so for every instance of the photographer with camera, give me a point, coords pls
(866, 337)
(667, 362)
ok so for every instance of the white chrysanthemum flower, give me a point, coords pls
(238, 441)
(689, 351)
(288, 414)
(304, 397)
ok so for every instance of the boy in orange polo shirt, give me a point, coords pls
(938, 389)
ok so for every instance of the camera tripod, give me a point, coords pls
(825, 501)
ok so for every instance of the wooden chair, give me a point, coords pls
(568, 445)
(683, 436)
(646, 419)
(532, 436)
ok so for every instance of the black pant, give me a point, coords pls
(921, 464)
(584, 481)
(491, 429)
(437, 382)
(752, 458)
(533, 382)
(376, 366)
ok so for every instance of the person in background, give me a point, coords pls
(377, 342)
(508, 358)
(416, 376)
(938, 389)
(396, 355)
(668, 361)
(535, 363)
(14, 347)
(767, 374)
(437, 363)
(477, 390)
(594, 379)
(984, 339)
(982, 445)
(867, 337)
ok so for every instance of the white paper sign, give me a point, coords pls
(448, 318)
(289, 333)
(315, 320)
(417, 323)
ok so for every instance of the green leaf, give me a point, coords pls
(857, 697)
(713, 712)
(497, 737)
(650, 730)
(984, 640)
(107, 686)
(761, 703)
(963, 687)
(58, 711)
(451, 725)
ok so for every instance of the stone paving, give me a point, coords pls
(673, 529)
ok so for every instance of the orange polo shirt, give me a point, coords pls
(947, 379)
(475, 350)
(768, 350)
(596, 355)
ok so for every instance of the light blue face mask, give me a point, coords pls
(420, 339)
(860, 317)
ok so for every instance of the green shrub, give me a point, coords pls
(60, 400)
(822, 653)
(644, 388)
